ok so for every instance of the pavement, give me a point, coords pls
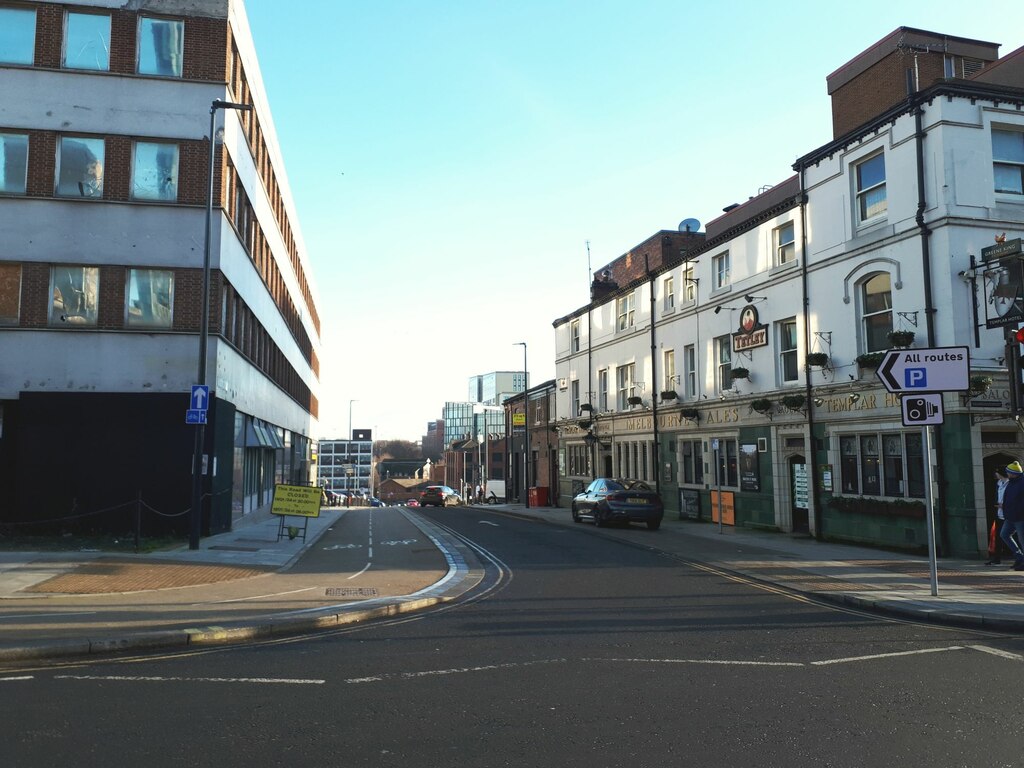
(254, 583)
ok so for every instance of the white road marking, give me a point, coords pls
(488, 522)
(887, 655)
(365, 569)
(720, 662)
(997, 652)
(453, 671)
(709, 662)
(10, 679)
(141, 679)
(342, 546)
(258, 597)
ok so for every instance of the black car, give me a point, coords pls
(439, 496)
(607, 500)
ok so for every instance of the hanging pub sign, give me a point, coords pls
(1003, 284)
(751, 333)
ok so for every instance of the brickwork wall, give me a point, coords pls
(660, 249)
(42, 163)
(123, 26)
(206, 46)
(112, 298)
(878, 88)
(49, 35)
(117, 168)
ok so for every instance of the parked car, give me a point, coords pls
(439, 496)
(412, 503)
(332, 498)
(375, 502)
(607, 500)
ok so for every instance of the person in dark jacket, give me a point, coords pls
(1013, 513)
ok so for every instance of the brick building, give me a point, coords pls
(104, 169)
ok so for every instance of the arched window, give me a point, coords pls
(876, 311)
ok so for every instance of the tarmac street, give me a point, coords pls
(249, 582)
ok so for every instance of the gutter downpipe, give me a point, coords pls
(812, 452)
(591, 394)
(929, 308)
(654, 380)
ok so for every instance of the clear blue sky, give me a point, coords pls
(450, 159)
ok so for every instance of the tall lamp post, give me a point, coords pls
(196, 514)
(348, 442)
(526, 428)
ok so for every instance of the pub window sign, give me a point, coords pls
(751, 332)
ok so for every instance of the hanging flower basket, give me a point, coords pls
(740, 373)
(762, 405)
(900, 338)
(979, 385)
(794, 402)
(818, 359)
(585, 423)
(669, 394)
(634, 400)
(870, 359)
(690, 413)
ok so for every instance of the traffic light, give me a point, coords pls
(1014, 341)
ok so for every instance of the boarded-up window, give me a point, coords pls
(10, 293)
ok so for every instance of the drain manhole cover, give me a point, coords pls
(351, 592)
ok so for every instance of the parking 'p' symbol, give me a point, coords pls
(915, 378)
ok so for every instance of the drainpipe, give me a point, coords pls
(929, 308)
(812, 452)
(591, 394)
(654, 380)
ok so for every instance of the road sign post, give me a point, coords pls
(920, 376)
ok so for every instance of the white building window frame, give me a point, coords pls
(669, 369)
(870, 195)
(1008, 162)
(789, 355)
(871, 320)
(668, 293)
(624, 378)
(689, 285)
(625, 312)
(721, 271)
(690, 371)
(784, 243)
(723, 362)
(574, 336)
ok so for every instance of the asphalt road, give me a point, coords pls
(577, 649)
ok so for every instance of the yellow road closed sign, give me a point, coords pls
(300, 500)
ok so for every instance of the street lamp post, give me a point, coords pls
(195, 514)
(348, 477)
(526, 428)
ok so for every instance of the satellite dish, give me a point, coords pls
(689, 225)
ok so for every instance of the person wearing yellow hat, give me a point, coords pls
(1013, 513)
